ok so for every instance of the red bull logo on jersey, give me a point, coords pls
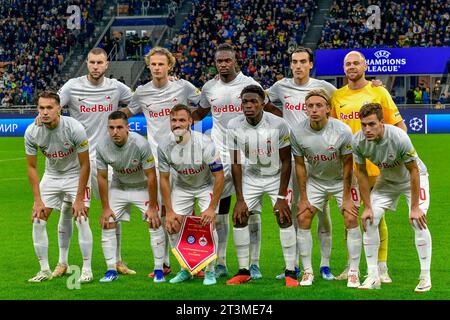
(58, 154)
(322, 157)
(130, 170)
(96, 108)
(162, 113)
(227, 109)
(351, 116)
(189, 171)
(297, 107)
(386, 165)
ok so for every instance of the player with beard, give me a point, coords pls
(90, 99)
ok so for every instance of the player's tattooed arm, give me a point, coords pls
(347, 203)
(415, 214)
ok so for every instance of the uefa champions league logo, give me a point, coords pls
(416, 124)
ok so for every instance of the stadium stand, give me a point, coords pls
(404, 24)
(263, 33)
(35, 43)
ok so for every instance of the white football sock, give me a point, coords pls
(40, 241)
(288, 241)
(254, 225)
(297, 245)
(423, 246)
(304, 239)
(241, 237)
(158, 245)
(119, 241)
(371, 241)
(65, 229)
(354, 245)
(324, 234)
(85, 240)
(222, 223)
(109, 246)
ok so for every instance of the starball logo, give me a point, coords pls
(382, 62)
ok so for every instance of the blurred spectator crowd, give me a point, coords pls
(35, 41)
(404, 23)
(263, 32)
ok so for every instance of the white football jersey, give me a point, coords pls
(128, 161)
(322, 149)
(193, 161)
(291, 96)
(224, 100)
(389, 154)
(91, 104)
(260, 144)
(60, 146)
(156, 104)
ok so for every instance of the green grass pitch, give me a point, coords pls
(20, 263)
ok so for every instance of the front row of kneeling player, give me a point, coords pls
(260, 147)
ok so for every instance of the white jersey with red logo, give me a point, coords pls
(260, 144)
(322, 149)
(60, 146)
(292, 97)
(193, 161)
(128, 161)
(156, 104)
(224, 100)
(91, 104)
(389, 154)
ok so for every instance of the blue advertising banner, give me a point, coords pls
(386, 61)
(15, 127)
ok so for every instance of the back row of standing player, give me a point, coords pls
(91, 98)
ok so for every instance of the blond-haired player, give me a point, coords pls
(155, 99)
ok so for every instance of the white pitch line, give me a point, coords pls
(14, 159)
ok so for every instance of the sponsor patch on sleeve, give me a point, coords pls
(349, 147)
(285, 139)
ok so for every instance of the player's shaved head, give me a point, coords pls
(354, 52)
